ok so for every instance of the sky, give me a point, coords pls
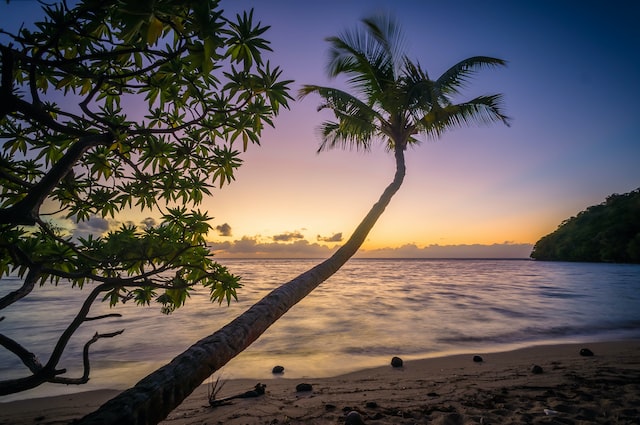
(570, 87)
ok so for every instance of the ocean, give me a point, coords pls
(368, 312)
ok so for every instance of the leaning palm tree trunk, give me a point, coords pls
(155, 396)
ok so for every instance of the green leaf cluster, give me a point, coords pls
(607, 232)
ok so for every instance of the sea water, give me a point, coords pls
(369, 311)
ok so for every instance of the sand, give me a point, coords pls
(502, 389)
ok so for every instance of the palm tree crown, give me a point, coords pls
(394, 99)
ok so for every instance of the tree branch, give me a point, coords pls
(29, 359)
(23, 291)
(27, 210)
(41, 116)
(48, 372)
(85, 361)
(7, 99)
(74, 325)
(103, 316)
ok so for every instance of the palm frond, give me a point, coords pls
(369, 57)
(340, 101)
(480, 110)
(421, 92)
(390, 38)
(459, 74)
(356, 120)
(345, 135)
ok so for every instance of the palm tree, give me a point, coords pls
(398, 102)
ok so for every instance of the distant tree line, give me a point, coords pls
(608, 232)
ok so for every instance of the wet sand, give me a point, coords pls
(501, 389)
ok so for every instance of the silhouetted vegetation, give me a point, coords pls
(608, 232)
(111, 106)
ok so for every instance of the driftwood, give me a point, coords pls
(258, 390)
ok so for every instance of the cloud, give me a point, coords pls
(95, 226)
(337, 237)
(257, 247)
(149, 222)
(98, 226)
(252, 247)
(288, 236)
(224, 229)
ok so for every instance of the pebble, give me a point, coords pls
(277, 369)
(536, 370)
(304, 387)
(396, 362)
(477, 359)
(585, 352)
(354, 418)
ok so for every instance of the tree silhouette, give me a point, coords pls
(111, 106)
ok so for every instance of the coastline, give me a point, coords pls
(574, 389)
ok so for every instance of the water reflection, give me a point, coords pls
(369, 311)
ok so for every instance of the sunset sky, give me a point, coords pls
(571, 88)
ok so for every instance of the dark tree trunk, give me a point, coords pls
(155, 396)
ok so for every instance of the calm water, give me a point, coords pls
(366, 313)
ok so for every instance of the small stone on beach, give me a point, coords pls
(354, 418)
(304, 387)
(585, 352)
(536, 370)
(396, 362)
(277, 369)
(477, 359)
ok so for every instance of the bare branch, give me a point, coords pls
(23, 291)
(104, 316)
(29, 359)
(48, 372)
(85, 360)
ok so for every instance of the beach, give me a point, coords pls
(566, 388)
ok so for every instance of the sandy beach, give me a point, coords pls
(503, 388)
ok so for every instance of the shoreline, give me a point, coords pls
(574, 389)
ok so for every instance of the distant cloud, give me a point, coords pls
(257, 247)
(248, 247)
(288, 236)
(337, 237)
(224, 229)
(98, 226)
(149, 222)
(95, 226)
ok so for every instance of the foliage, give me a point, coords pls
(116, 105)
(608, 232)
(393, 98)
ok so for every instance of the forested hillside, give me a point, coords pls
(608, 232)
